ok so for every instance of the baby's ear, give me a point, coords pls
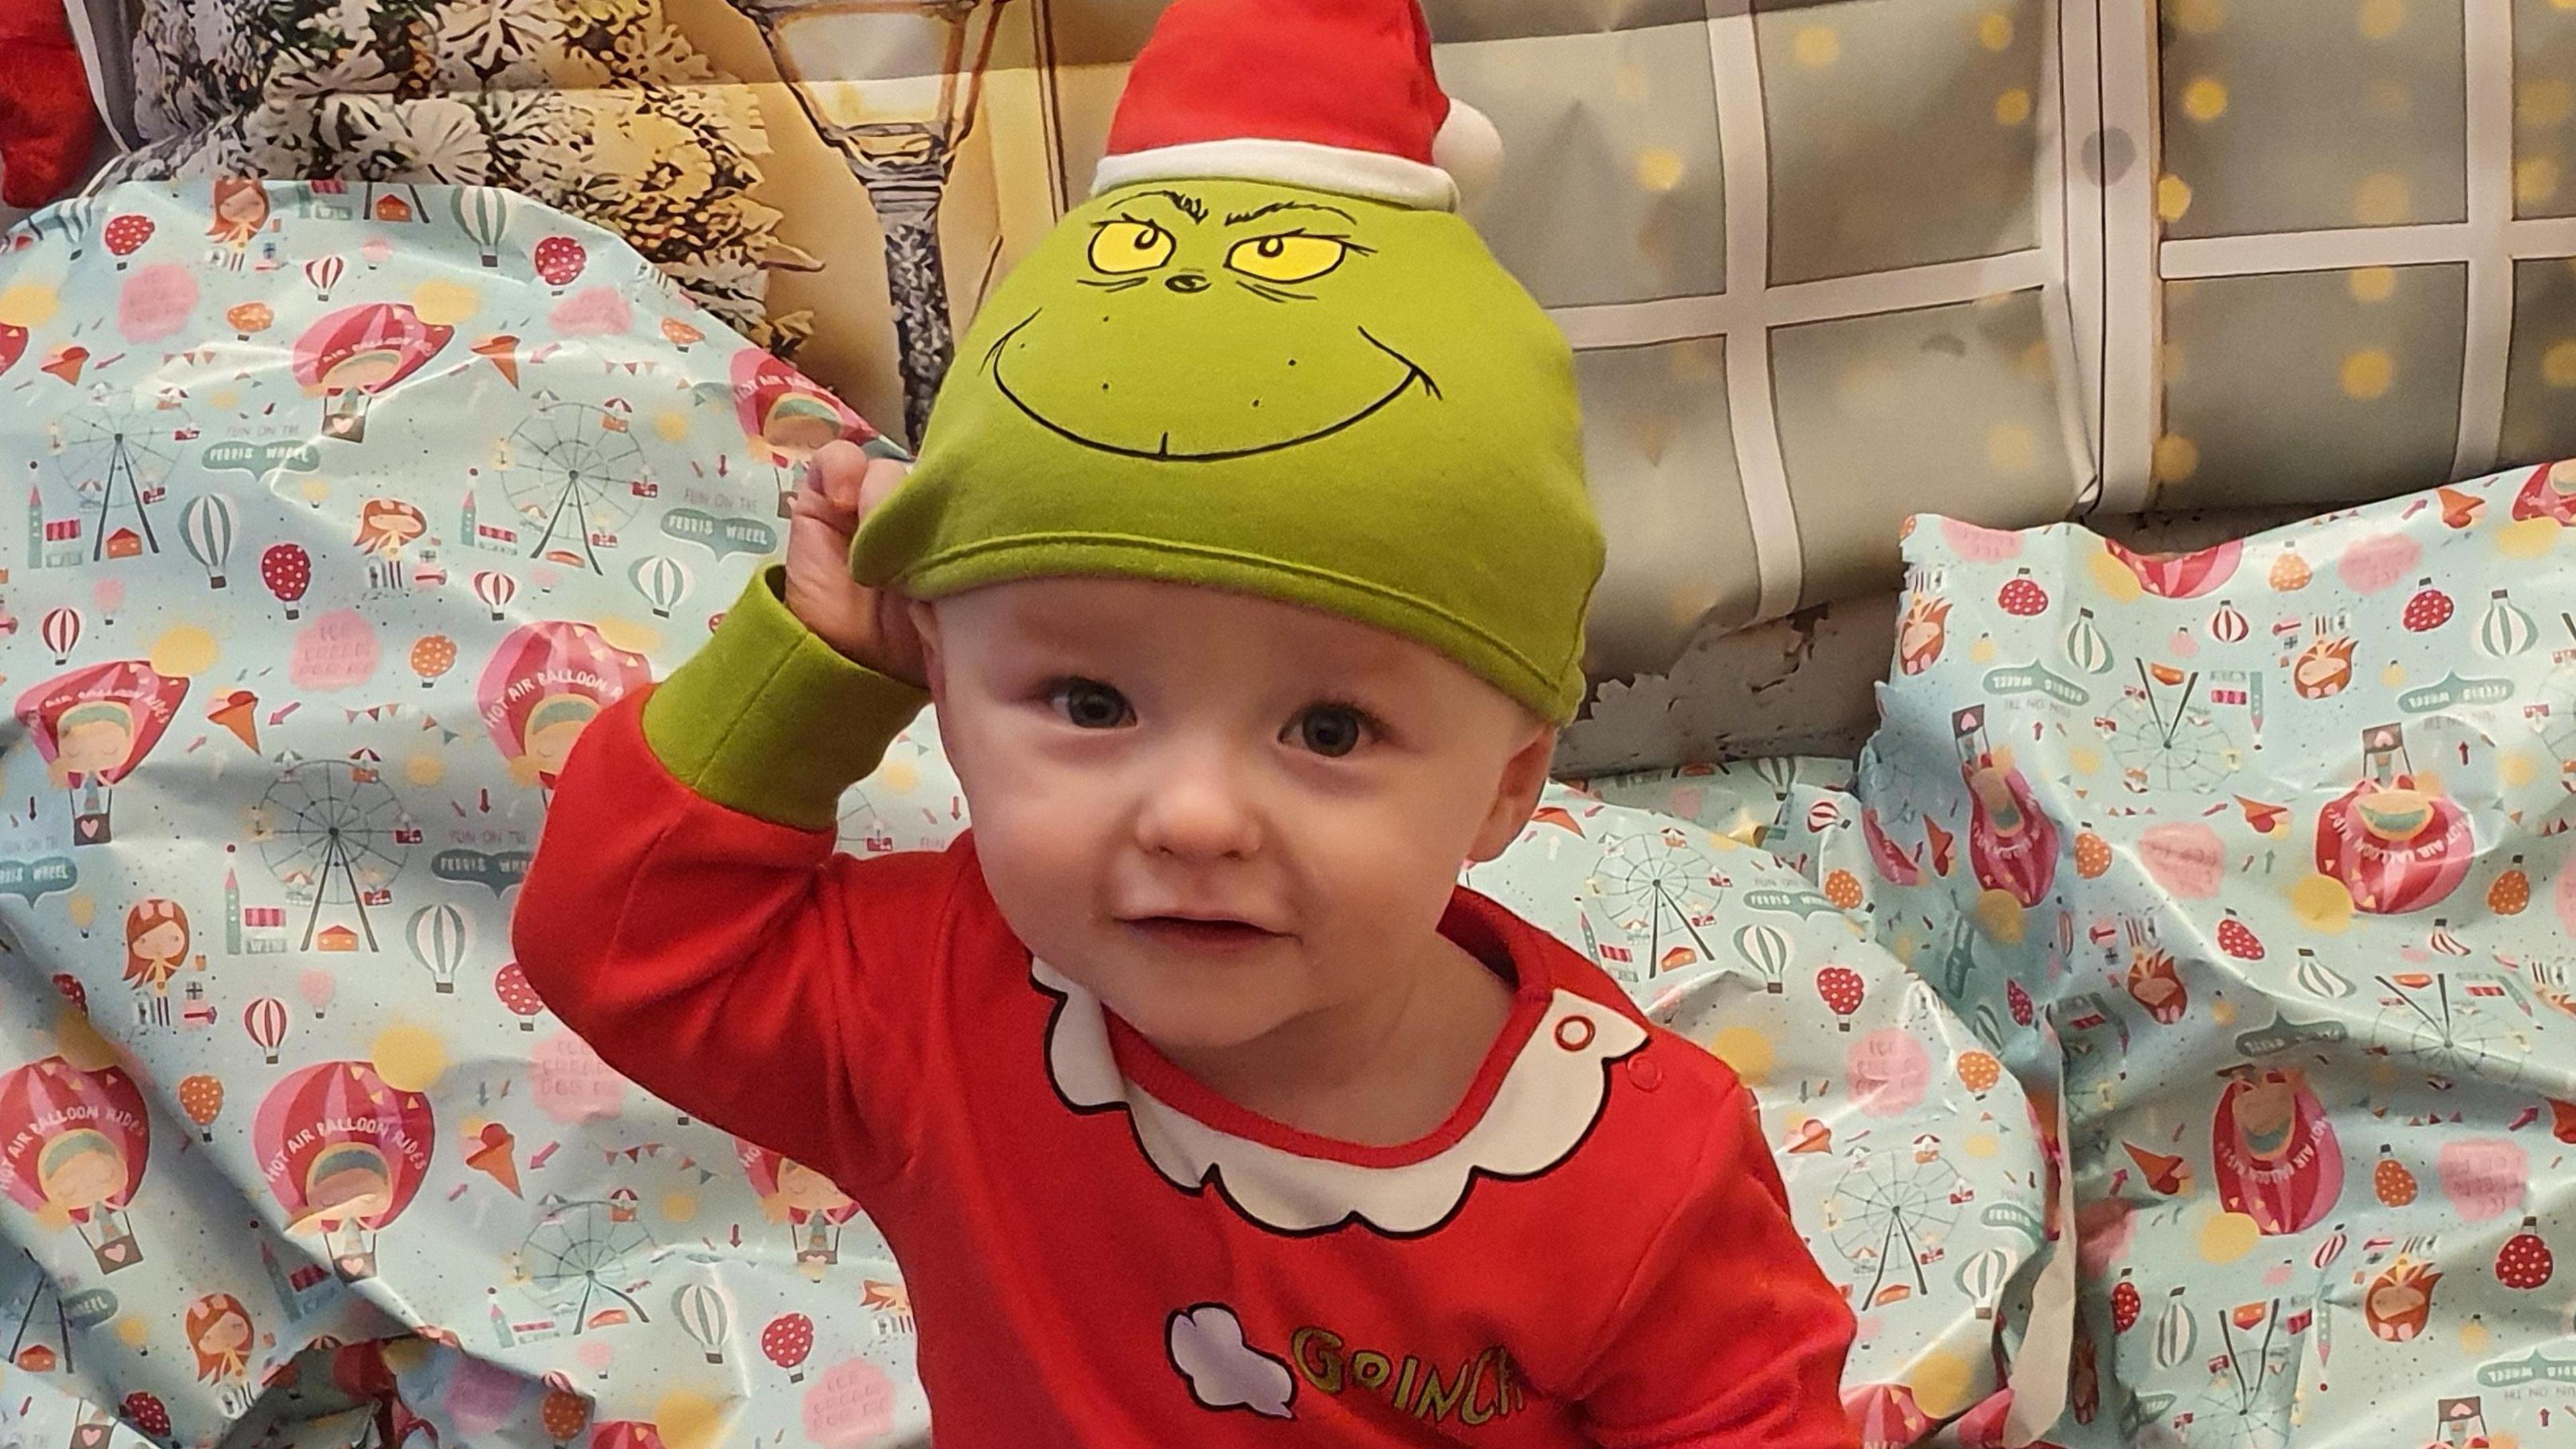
(1516, 793)
(925, 623)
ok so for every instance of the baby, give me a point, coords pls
(1246, 566)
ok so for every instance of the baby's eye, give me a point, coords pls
(1330, 730)
(1089, 704)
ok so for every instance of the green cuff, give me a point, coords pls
(769, 720)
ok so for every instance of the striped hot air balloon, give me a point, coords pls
(663, 581)
(2329, 1250)
(703, 1316)
(2176, 1334)
(206, 527)
(2086, 649)
(2228, 625)
(61, 631)
(1766, 950)
(1983, 1276)
(495, 589)
(2318, 979)
(484, 213)
(324, 274)
(265, 1020)
(2504, 630)
(440, 943)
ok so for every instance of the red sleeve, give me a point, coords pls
(737, 968)
(1729, 1336)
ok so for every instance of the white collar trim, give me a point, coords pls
(1548, 1100)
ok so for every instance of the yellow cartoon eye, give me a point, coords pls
(1288, 258)
(1130, 246)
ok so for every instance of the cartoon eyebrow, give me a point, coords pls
(1238, 218)
(1190, 205)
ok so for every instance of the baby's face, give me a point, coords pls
(1134, 749)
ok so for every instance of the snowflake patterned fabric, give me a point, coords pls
(338, 531)
(2254, 859)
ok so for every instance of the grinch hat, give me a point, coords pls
(1267, 356)
(1335, 95)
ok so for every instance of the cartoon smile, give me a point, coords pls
(1407, 374)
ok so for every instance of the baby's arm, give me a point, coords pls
(1729, 1336)
(686, 912)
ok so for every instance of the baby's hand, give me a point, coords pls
(871, 626)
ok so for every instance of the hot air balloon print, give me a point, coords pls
(558, 260)
(785, 416)
(92, 727)
(1982, 1278)
(2505, 630)
(543, 686)
(520, 999)
(2176, 1333)
(495, 589)
(206, 528)
(202, 1098)
(483, 213)
(700, 1307)
(2184, 575)
(343, 1153)
(1766, 950)
(125, 235)
(2012, 844)
(2086, 649)
(288, 571)
(440, 942)
(663, 581)
(432, 655)
(2395, 841)
(2273, 1150)
(61, 631)
(73, 1146)
(786, 1341)
(352, 355)
(264, 1022)
(323, 273)
(813, 1207)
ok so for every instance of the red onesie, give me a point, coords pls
(1594, 1249)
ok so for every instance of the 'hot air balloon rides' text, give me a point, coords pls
(73, 1146)
(92, 726)
(544, 686)
(343, 1153)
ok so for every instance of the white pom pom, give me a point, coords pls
(1469, 148)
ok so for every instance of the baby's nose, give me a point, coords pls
(1186, 282)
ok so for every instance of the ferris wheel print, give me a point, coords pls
(586, 1261)
(573, 473)
(2165, 738)
(1661, 890)
(1889, 1214)
(116, 454)
(2435, 1018)
(2253, 1378)
(333, 834)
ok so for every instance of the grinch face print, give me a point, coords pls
(1202, 321)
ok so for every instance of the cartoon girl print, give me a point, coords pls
(2274, 1150)
(156, 949)
(220, 1334)
(240, 212)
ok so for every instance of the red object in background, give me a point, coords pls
(47, 125)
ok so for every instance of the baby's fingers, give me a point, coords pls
(830, 488)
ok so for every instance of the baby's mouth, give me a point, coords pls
(1189, 934)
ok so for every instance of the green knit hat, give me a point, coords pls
(1270, 359)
